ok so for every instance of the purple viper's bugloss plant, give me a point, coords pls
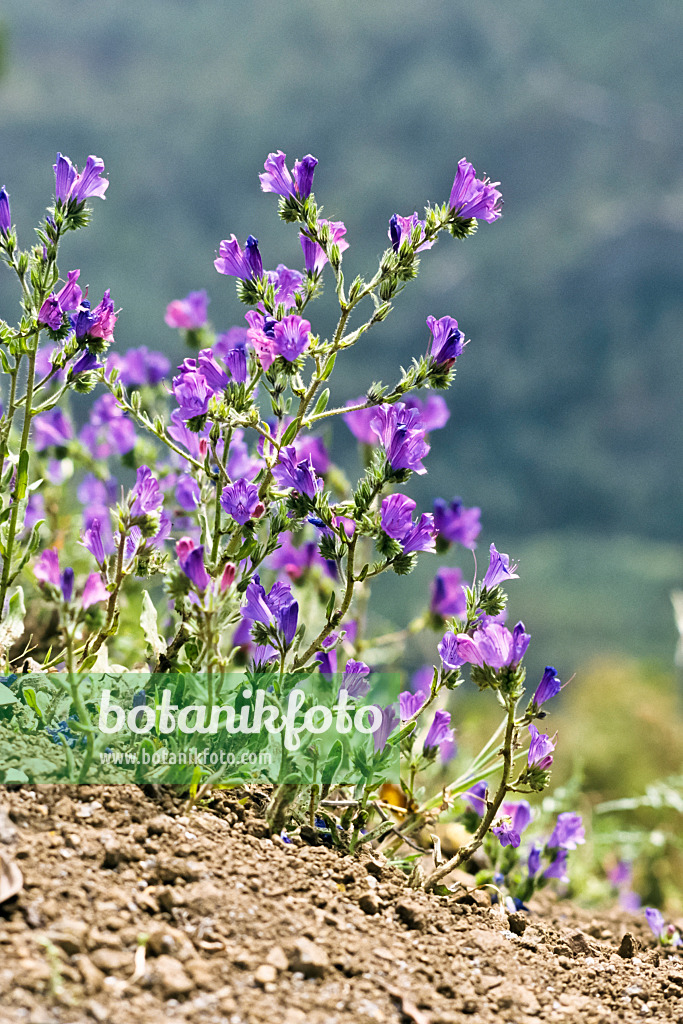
(447, 341)
(291, 336)
(190, 313)
(300, 475)
(456, 524)
(241, 501)
(315, 257)
(5, 214)
(499, 570)
(402, 434)
(70, 184)
(277, 178)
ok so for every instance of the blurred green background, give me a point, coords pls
(567, 421)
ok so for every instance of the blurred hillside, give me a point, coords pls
(566, 413)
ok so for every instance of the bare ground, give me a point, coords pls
(133, 911)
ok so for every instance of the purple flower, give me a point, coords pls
(396, 515)
(193, 567)
(188, 314)
(47, 567)
(187, 492)
(475, 797)
(86, 362)
(327, 661)
(286, 284)
(359, 421)
(457, 524)
(354, 679)
(260, 334)
(401, 230)
(52, 428)
(308, 446)
(287, 472)
(410, 703)
(96, 324)
(422, 537)
(291, 337)
(241, 501)
(534, 860)
(94, 591)
(69, 184)
(493, 644)
(447, 341)
(109, 429)
(5, 215)
(192, 393)
(139, 366)
(278, 608)
(236, 362)
(448, 594)
(540, 749)
(516, 818)
(549, 687)
(386, 727)
(402, 434)
(471, 197)
(568, 832)
(277, 178)
(236, 262)
(145, 497)
(450, 651)
(440, 735)
(558, 867)
(314, 255)
(46, 571)
(66, 299)
(655, 920)
(296, 561)
(215, 375)
(92, 540)
(499, 570)
(434, 412)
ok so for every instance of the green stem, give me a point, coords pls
(11, 534)
(492, 806)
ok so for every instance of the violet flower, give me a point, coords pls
(139, 366)
(109, 429)
(94, 591)
(448, 594)
(354, 679)
(402, 434)
(457, 524)
(389, 720)
(439, 735)
(475, 797)
(277, 178)
(52, 429)
(92, 541)
(287, 472)
(236, 262)
(192, 393)
(278, 608)
(568, 832)
(286, 284)
(422, 536)
(450, 652)
(193, 567)
(5, 214)
(499, 570)
(188, 314)
(241, 501)
(314, 255)
(549, 687)
(401, 230)
(396, 515)
(214, 374)
(291, 337)
(69, 184)
(447, 341)
(471, 197)
(261, 335)
(145, 497)
(517, 817)
(558, 867)
(540, 749)
(434, 413)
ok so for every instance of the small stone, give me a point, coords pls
(517, 923)
(265, 974)
(628, 947)
(112, 854)
(309, 959)
(412, 915)
(110, 960)
(70, 936)
(277, 958)
(171, 978)
(578, 943)
(93, 978)
(369, 903)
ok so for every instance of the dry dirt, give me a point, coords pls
(133, 911)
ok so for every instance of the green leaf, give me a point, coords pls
(22, 475)
(290, 433)
(32, 700)
(329, 367)
(321, 404)
(148, 622)
(6, 696)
